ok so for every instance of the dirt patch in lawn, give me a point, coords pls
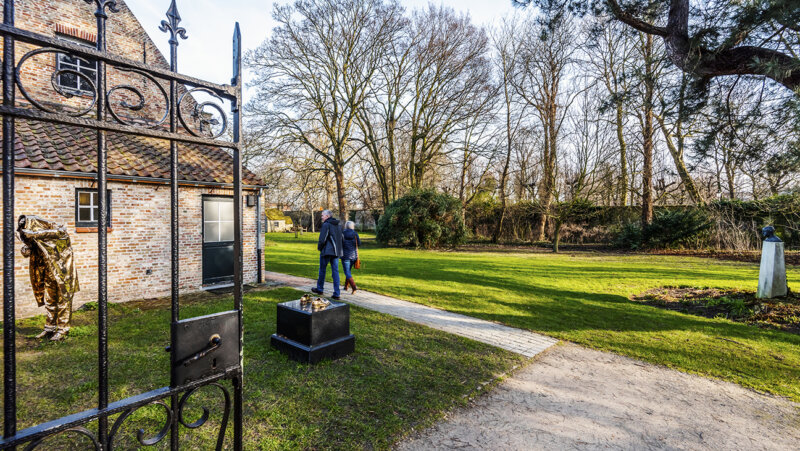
(737, 305)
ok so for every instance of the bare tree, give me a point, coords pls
(610, 53)
(313, 74)
(450, 68)
(546, 54)
(648, 83)
(476, 149)
(382, 117)
(506, 43)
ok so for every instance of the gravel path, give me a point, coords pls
(576, 398)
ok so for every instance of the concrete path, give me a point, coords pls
(577, 398)
(520, 341)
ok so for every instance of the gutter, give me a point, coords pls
(126, 178)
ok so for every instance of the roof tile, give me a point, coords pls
(44, 145)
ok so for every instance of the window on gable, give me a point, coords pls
(69, 81)
(86, 212)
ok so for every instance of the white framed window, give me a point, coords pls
(86, 211)
(70, 82)
(217, 220)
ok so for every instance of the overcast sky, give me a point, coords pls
(209, 25)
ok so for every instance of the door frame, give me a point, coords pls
(219, 280)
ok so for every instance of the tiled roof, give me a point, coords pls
(58, 147)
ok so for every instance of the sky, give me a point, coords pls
(209, 24)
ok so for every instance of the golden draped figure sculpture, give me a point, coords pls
(52, 269)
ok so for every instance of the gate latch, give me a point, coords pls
(205, 346)
(213, 344)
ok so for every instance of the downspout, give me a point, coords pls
(259, 238)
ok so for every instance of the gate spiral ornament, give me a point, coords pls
(204, 417)
(200, 115)
(150, 441)
(142, 102)
(76, 430)
(53, 80)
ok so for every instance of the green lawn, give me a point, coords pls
(401, 376)
(583, 298)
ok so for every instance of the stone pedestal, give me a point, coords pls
(772, 275)
(309, 335)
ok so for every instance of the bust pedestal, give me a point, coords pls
(309, 335)
(772, 275)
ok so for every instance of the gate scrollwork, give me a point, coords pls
(76, 430)
(204, 416)
(141, 104)
(199, 114)
(54, 81)
(144, 441)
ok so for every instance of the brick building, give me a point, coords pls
(56, 168)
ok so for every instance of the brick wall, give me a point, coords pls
(139, 240)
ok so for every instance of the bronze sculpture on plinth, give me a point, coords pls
(314, 305)
(52, 268)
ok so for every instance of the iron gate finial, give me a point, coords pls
(171, 26)
(102, 5)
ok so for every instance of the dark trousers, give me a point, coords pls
(324, 260)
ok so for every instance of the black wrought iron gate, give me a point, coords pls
(204, 351)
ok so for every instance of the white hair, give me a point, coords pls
(350, 225)
(326, 213)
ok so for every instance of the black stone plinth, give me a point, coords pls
(309, 336)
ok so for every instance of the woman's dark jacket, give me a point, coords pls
(350, 239)
(330, 238)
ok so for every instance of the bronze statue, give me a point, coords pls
(314, 305)
(52, 268)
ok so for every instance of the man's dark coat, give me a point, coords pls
(330, 239)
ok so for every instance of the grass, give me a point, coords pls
(401, 376)
(583, 298)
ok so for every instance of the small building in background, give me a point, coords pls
(56, 170)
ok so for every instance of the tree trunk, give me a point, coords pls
(549, 166)
(340, 194)
(504, 176)
(680, 166)
(556, 236)
(731, 176)
(622, 188)
(685, 52)
(647, 144)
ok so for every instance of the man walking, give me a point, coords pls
(330, 251)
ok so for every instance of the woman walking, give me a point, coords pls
(350, 243)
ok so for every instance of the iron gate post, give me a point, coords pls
(102, 222)
(172, 27)
(9, 315)
(238, 269)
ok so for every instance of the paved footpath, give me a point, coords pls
(516, 340)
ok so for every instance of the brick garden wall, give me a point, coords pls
(139, 240)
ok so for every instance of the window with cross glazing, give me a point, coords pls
(86, 212)
(70, 82)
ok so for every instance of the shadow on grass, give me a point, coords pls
(401, 376)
